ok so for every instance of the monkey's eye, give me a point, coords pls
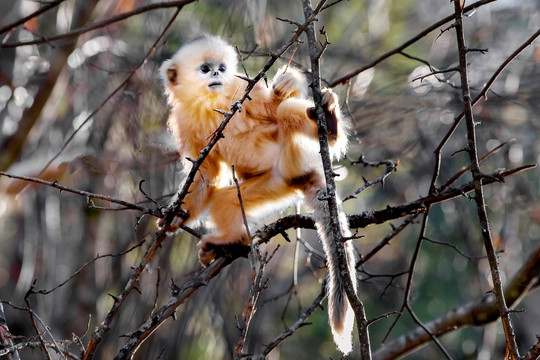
(222, 68)
(205, 68)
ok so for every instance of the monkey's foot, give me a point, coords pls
(212, 248)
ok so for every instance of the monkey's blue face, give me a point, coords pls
(213, 73)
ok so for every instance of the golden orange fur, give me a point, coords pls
(272, 143)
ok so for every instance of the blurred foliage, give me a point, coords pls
(47, 235)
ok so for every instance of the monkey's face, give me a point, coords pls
(213, 73)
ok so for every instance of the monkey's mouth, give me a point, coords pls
(215, 85)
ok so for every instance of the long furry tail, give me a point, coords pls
(340, 313)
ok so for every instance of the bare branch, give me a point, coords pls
(390, 167)
(55, 184)
(102, 23)
(41, 10)
(6, 338)
(477, 313)
(421, 35)
(81, 269)
(511, 344)
(482, 94)
(294, 327)
(180, 294)
(337, 246)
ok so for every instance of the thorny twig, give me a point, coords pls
(479, 312)
(421, 35)
(511, 344)
(294, 327)
(408, 288)
(105, 326)
(335, 238)
(6, 338)
(390, 167)
(257, 286)
(481, 95)
(55, 184)
(96, 25)
(81, 269)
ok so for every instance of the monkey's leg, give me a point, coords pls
(226, 211)
(197, 198)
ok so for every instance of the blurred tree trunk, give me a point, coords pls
(12, 147)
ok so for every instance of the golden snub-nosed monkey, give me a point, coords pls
(272, 143)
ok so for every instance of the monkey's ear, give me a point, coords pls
(172, 74)
(168, 73)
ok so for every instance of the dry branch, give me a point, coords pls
(511, 344)
(55, 184)
(399, 49)
(97, 25)
(476, 313)
(335, 239)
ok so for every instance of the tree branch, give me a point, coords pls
(99, 24)
(336, 239)
(476, 313)
(399, 49)
(511, 344)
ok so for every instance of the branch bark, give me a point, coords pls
(476, 313)
(336, 239)
(399, 49)
(511, 343)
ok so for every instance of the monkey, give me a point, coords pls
(272, 143)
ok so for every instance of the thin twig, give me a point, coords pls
(36, 13)
(511, 344)
(55, 184)
(337, 246)
(301, 322)
(421, 35)
(476, 313)
(81, 269)
(481, 95)
(100, 24)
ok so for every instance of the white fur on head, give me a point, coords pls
(201, 48)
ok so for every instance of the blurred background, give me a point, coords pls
(56, 104)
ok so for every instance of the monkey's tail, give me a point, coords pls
(340, 313)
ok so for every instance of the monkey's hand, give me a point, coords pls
(178, 220)
(211, 248)
(330, 107)
(288, 85)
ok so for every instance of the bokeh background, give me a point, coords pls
(108, 147)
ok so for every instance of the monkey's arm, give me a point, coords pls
(298, 115)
